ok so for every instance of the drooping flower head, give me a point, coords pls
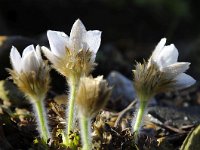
(162, 72)
(29, 72)
(74, 54)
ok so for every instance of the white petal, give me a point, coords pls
(26, 61)
(15, 58)
(175, 69)
(93, 39)
(38, 53)
(58, 42)
(183, 81)
(167, 56)
(38, 57)
(30, 62)
(27, 50)
(77, 35)
(52, 58)
(159, 48)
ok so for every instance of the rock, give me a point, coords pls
(174, 116)
(123, 92)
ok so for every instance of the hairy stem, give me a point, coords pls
(85, 132)
(64, 138)
(139, 117)
(41, 120)
(71, 109)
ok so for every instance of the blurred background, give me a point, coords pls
(130, 28)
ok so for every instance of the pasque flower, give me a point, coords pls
(29, 72)
(165, 57)
(31, 75)
(73, 56)
(160, 74)
(92, 95)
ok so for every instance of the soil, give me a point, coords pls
(165, 125)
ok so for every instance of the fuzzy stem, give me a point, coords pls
(42, 120)
(64, 138)
(85, 132)
(139, 117)
(70, 111)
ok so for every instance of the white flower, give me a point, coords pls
(165, 58)
(30, 61)
(30, 73)
(79, 39)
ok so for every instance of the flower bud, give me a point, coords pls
(92, 95)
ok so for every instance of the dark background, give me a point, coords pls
(130, 28)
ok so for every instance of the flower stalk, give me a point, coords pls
(139, 117)
(42, 119)
(71, 108)
(85, 132)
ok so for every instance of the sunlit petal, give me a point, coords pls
(77, 35)
(167, 56)
(159, 48)
(15, 59)
(27, 50)
(49, 54)
(30, 62)
(58, 42)
(38, 53)
(176, 68)
(93, 39)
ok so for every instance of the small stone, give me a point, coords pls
(123, 92)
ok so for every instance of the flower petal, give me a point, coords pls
(30, 63)
(93, 39)
(167, 56)
(15, 58)
(38, 53)
(52, 58)
(159, 48)
(175, 69)
(77, 35)
(27, 50)
(58, 42)
(183, 81)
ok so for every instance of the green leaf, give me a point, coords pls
(192, 141)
